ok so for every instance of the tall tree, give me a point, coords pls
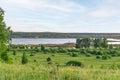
(3, 32)
(105, 43)
(86, 42)
(97, 42)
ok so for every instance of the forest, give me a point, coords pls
(63, 35)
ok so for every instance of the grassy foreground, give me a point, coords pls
(39, 69)
(40, 72)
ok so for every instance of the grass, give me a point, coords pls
(95, 69)
(40, 72)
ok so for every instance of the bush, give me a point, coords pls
(62, 50)
(43, 48)
(74, 55)
(105, 57)
(98, 57)
(48, 59)
(35, 60)
(24, 59)
(87, 54)
(74, 63)
(14, 52)
(6, 58)
(100, 53)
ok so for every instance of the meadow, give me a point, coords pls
(38, 68)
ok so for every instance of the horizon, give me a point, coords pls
(64, 16)
(67, 32)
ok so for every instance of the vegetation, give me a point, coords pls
(74, 63)
(3, 32)
(92, 42)
(63, 35)
(92, 59)
(24, 59)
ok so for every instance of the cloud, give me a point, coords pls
(108, 8)
(61, 15)
(101, 13)
(63, 5)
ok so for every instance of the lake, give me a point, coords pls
(42, 40)
(52, 40)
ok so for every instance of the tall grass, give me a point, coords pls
(41, 72)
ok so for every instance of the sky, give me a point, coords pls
(94, 16)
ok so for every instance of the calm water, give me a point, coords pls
(42, 40)
(51, 41)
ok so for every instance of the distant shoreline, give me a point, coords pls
(63, 35)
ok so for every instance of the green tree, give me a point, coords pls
(6, 58)
(24, 59)
(3, 32)
(77, 45)
(97, 42)
(86, 42)
(43, 48)
(105, 43)
(83, 43)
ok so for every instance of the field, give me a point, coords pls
(38, 68)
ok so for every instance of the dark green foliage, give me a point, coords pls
(35, 60)
(43, 48)
(105, 57)
(73, 50)
(49, 59)
(6, 58)
(87, 54)
(74, 54)
(3, 32)
(14, 52)
(24, 59)
(98, 57)
(62, 50)
(74, 63)
(83, 43)
(32, 54)
(99, 53)
(105, 43)
(97, 42)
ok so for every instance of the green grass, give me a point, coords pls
(94, 69)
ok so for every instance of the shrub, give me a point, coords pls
(105, 57)
(114, 55)
(48, 59)
(99, 53)
(43, 48)
(87, 54)
(14, 52)
(74, 55)
(24, 59)
(61, 50)
(35, 60)
(6, 58)
(74, 63)
(98, 57)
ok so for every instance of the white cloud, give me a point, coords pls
(63, 5)
(101, 13)
(108, 8)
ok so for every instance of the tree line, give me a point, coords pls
(91, 42)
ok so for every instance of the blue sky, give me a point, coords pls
(62, 15)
